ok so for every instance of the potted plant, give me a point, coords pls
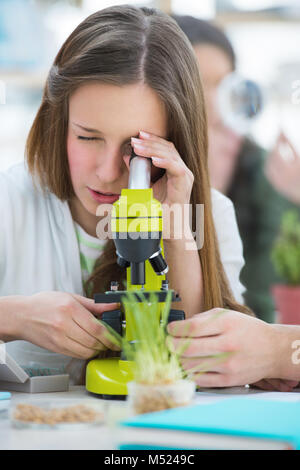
(286, 260)
(159, 380)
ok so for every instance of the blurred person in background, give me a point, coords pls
(236, 167)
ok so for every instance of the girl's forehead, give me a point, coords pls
(109, 108)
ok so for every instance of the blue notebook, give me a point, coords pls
(230, 423)
(5, 395)
(4, 402)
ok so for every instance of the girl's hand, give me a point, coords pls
(283, 169)
(175, 186)
(224, 348)
(279, 385)
(65, 323)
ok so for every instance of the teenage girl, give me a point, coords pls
(125, 78)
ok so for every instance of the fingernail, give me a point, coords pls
(156, 160)
(145, 134)
(171, 327)
(139, 145)
(135, 140)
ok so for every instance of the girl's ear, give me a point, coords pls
(126, 159)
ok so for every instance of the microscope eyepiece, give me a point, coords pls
(140, 172)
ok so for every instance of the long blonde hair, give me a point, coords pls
(124, 45)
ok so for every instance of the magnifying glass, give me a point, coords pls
(240, 102)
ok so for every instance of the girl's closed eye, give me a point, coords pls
(126, 150)
(81, 137)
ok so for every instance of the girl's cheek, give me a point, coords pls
(77, 156)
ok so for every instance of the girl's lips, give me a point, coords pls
(103, 198)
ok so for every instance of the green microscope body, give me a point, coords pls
(136, 226)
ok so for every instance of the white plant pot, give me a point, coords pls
(145, 398)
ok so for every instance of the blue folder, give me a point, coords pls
(5, 395)
(247, 417)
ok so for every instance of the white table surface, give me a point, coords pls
(101, 436)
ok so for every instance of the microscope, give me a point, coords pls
(136, 227)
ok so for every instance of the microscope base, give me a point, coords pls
(109, 377)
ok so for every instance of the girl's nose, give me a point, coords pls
(112, 166)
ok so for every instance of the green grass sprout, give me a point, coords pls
(219, 314)
(156, 359)
(200, 369)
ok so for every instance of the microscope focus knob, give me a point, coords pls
(176, 315)
(122, 262)
(113, 318)
(158, 264)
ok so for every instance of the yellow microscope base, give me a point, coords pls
(109, 377)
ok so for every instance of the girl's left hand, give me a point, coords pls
(225, 348)
(175, 186)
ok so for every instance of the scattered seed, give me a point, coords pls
(70, 414)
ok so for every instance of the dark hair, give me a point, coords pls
(203, 32)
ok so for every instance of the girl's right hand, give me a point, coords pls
(65, 323)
